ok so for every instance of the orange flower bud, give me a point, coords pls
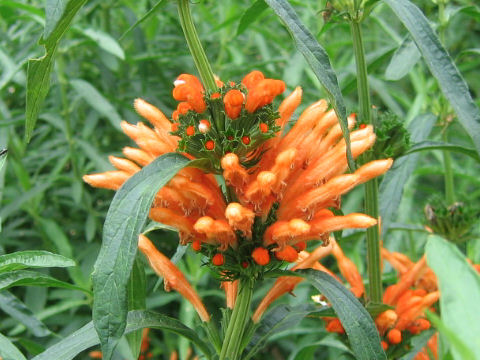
(215, 95)
(197, 245)
(218, 260)
(386, 320)
(261, 256)
(263, 127)
(300, 246)
(175, 127)
(210, 145)
(246, 140)
(233, 101)
(288, 254)
(394, 336)
(263, 93)
(252, 79)
(335, 326)
(384, 345)
(190, 131)
(204, 126)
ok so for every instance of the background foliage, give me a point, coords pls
(100, 69)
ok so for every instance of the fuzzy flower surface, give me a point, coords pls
(265, 192)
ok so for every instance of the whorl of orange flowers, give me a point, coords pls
(280, 184)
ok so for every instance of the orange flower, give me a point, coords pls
(173, 277)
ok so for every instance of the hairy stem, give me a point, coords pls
(371, 187)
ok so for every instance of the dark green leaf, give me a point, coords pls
(372, 308)
(59, 15)
(438, 145)
(391, 187)
(32, 259)
(86, 337)
(318, 60)
(105, 41)
(96, 100)
(3, 157)
(250, 15)
(459, 285)
(32, 278)
(125, 219)
(403, 60)
(358, 324)
(441, 65)
(8, 351)
(136, 301)
(418, 342)
(280, 318)
(12, 306)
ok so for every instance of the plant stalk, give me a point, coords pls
(371, 187)
(231, 348)
(448, 176)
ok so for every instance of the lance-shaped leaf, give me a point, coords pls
(125, 219)
(32, 259)
(59, 16)
(356, 321)
(441, 65)
(439, 145)
(86, 337)
(32, 278)
(8, 351)
(317, 58)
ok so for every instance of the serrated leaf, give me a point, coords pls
(403, 60)
(441, 65)
(96, 100)
(59, 16)
(33, 259)
(86, 337)
(319, 62)
(391, 187)
(16, 309)
(459, 285)
(439, 145)
(250, 15)
(32, 278)
(8, 351)
(105, 41)
(356, 321)
(125, 219)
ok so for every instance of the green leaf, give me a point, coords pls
(280, 318)
(32, 278)
(16, 309)
(441, 65)
(250, 15)
(459, 285)
(438, 145)
(143, 18)
(136, 301)
(96, 100)
(358, 324)
(59, 16)
(391, 187)
(8, 351)
(105, 41)
(32, 259)
(125, 219)
(373, 309)
(3, 157)
(86, 337)
(403, 60)
(418, 342)
(318, 60)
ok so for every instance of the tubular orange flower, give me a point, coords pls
(173, 277)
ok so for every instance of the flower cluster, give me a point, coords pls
(280, 185)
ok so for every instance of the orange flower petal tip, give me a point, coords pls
(261, 256)
(394, 336)
(384, 345)
(288, 254)
(218, 259)
(263, 127)
(335, 326)
(197, 245)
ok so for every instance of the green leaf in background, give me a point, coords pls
(441, 65)
(97, 101)
(459, 285)
(418, 343)
(439, 145)
(105, 41)
(403, 60)
(125, 219)
(318, 60)
(8, 351)
(59, 16)
(356, 321)
(136, 301)
(144, 17)
(391, 187)
(3, 157)
(280, 318)
(32, 259)
(32, 278)
(86, 337)
(250, 15)
(15, 308)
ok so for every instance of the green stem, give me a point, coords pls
(236, 326)
(371, 187)
(447, 164)
(199, 57)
